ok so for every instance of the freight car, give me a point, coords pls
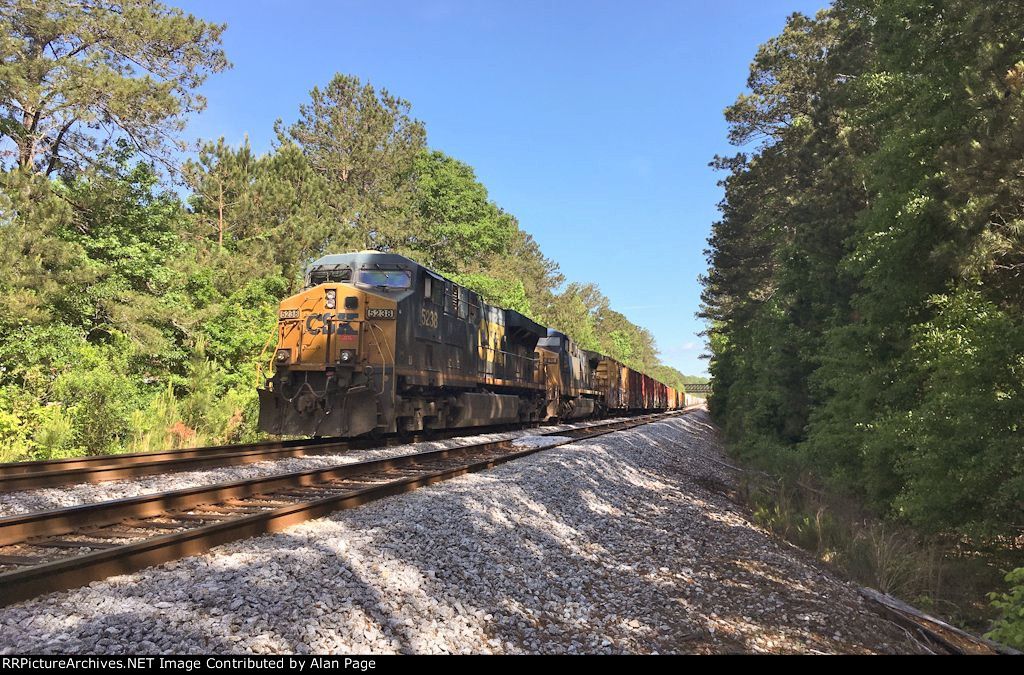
(378, 343)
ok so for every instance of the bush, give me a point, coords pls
(99, 393)
(54, 435)
(1009, 629)
(17, 410)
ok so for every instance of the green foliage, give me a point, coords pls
(460, 224)
(272, 212)
(239, 332)
(77, 74)
(865, 297)
(1009, 628)
(864, 294)
(64, 395)
(962, 465)
(99, 393)
(37, 262)
(498, 292)
(364, 144)
(132, 318)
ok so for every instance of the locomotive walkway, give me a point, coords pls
(628, 542)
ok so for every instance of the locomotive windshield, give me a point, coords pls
(386, 278)
(323, 275)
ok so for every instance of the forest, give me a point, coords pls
(865, 293)
(139, 276)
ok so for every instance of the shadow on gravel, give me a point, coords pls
(635, 550)
(625, 543)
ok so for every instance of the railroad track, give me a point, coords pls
(17, 476)
(54, 550)
(56, 472)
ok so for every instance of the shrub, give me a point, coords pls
(1009, 628)
(99, 394)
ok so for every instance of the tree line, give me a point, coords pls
(138, 292)
(865, 296)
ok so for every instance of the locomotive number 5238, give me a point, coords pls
(428, 318)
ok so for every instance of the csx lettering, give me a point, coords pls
(330, 324)
(428, 318)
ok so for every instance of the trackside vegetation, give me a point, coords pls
(865, 296)
(139, 279)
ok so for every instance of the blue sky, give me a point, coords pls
(593, 122)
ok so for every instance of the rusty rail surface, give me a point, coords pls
(64, 548)
(16, 476)
(94, 469)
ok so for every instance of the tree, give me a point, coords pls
(220, 178)
(460, 225)
(865, 288)
(271, 212)
(76, 75)
(364, 144)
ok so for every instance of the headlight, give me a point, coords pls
(331, 298)
(347, 356)
(283, 355)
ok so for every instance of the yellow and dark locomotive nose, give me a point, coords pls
(334, 359)
(319, 327)
(324, 326)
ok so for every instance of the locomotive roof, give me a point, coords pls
(548, 336)
(370, 258)
(355, 260)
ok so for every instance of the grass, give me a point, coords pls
(944, 575)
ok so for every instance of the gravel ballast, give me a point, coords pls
(624, 543)
(44, 499)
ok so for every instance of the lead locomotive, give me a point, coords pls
(379, 343)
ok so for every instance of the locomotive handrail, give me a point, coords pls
(501, 351)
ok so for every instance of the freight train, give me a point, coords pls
(377, 343)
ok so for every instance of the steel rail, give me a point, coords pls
(207, 516)
(45, 465)
(42, 466)
(58, 521)
(15, 476)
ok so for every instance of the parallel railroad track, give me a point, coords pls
(54, 550)
(16, 476)
(53, 473)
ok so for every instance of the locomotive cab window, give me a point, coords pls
(387, 279)
(324, 275)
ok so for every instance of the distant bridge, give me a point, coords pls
(697, 388)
